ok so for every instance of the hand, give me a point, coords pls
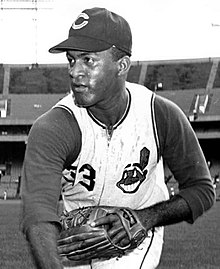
(115, 229)
(70, 244)
(99, 232)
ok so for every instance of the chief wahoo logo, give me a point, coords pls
(134, 174)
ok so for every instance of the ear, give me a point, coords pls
(124, 65)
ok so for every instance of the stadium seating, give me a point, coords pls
(36, 79)
(217, 78)
(134, 73)
(178, 76)
(1, 78)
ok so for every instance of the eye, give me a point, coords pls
(71, 62)
(89, 60)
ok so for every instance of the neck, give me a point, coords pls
(113, 111)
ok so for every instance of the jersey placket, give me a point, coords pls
(109, 136)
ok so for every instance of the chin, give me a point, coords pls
(82, 104)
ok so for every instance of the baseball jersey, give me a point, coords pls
(121, 167)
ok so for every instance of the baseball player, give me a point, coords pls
(105, 144)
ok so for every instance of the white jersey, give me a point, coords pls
(118, 170)
(121, 169)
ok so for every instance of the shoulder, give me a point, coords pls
(169, 116)
(163, 107)
(166, 108)
(138, 89)
(57, 130)
(171, 124)
(57, 119)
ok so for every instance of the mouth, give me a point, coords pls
(79, 88)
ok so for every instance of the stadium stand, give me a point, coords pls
(176, 76)
(179, 76)
(1, 78)
(36, 79)
(134, 73)
(217, 78)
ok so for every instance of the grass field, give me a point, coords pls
(186, 246)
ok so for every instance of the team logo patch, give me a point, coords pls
(134, 174)
(81, 21)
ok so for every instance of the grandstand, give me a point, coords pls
(28, 91)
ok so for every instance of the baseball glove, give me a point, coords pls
(79, 240)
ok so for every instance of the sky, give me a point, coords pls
(161, 29)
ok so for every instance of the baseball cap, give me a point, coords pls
(97, 29)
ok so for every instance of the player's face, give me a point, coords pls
(93, 77)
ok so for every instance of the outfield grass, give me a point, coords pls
(13, 248)
(194, 246)
(186, 246)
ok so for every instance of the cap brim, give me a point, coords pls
(81, 43)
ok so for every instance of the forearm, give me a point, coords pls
(165, 213)
(43, 244)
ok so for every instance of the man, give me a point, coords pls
(109, 139)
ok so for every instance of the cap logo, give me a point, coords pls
(76, 26)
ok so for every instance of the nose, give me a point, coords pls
(76, 70)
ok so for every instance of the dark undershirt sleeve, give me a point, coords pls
(54, 142)
(181, 151)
